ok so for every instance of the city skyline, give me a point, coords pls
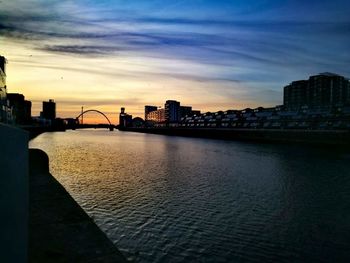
(108, 54)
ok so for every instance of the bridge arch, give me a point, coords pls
(100, 112)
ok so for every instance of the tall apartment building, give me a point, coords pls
(328, 90)
(172, 111)
(49, 110)
(324, 90)
(295, 94)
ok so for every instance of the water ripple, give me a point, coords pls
(171, 199)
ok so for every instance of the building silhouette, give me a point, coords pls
(149, 109)
(21, 108)
(138, 122)
(295, 95)
(125, 120)
(3, 93)
(318, 103)
(328, 90)
(49, 110)
(325, 90)
(170, 114)
(185, 111)
(172, 111)
(157, 116)
(5, 110)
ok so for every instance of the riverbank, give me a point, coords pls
(59, 229)
(319, 137)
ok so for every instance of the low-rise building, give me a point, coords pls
(185, 111)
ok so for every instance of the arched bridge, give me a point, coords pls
(100, 112)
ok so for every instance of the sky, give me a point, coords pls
(211, 54)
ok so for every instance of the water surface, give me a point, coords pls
(174, 199)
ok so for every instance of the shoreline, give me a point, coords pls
(313, 137)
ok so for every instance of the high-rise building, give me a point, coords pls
(149, 109)
(324, 90)
(172, 111)
(327, 90)
(27, 111)
(295, 95)
(21, 108)
(49, 110)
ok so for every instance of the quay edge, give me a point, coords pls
(319, 137)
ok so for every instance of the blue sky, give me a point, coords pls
(210, 54)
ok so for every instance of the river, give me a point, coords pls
(174, 199)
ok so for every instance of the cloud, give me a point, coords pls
(262, 45)
(94, 103)
(80, 49)
(259, 41)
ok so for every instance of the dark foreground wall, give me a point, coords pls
(13, 194)
(332, 137)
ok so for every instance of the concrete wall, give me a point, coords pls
(13, 194)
